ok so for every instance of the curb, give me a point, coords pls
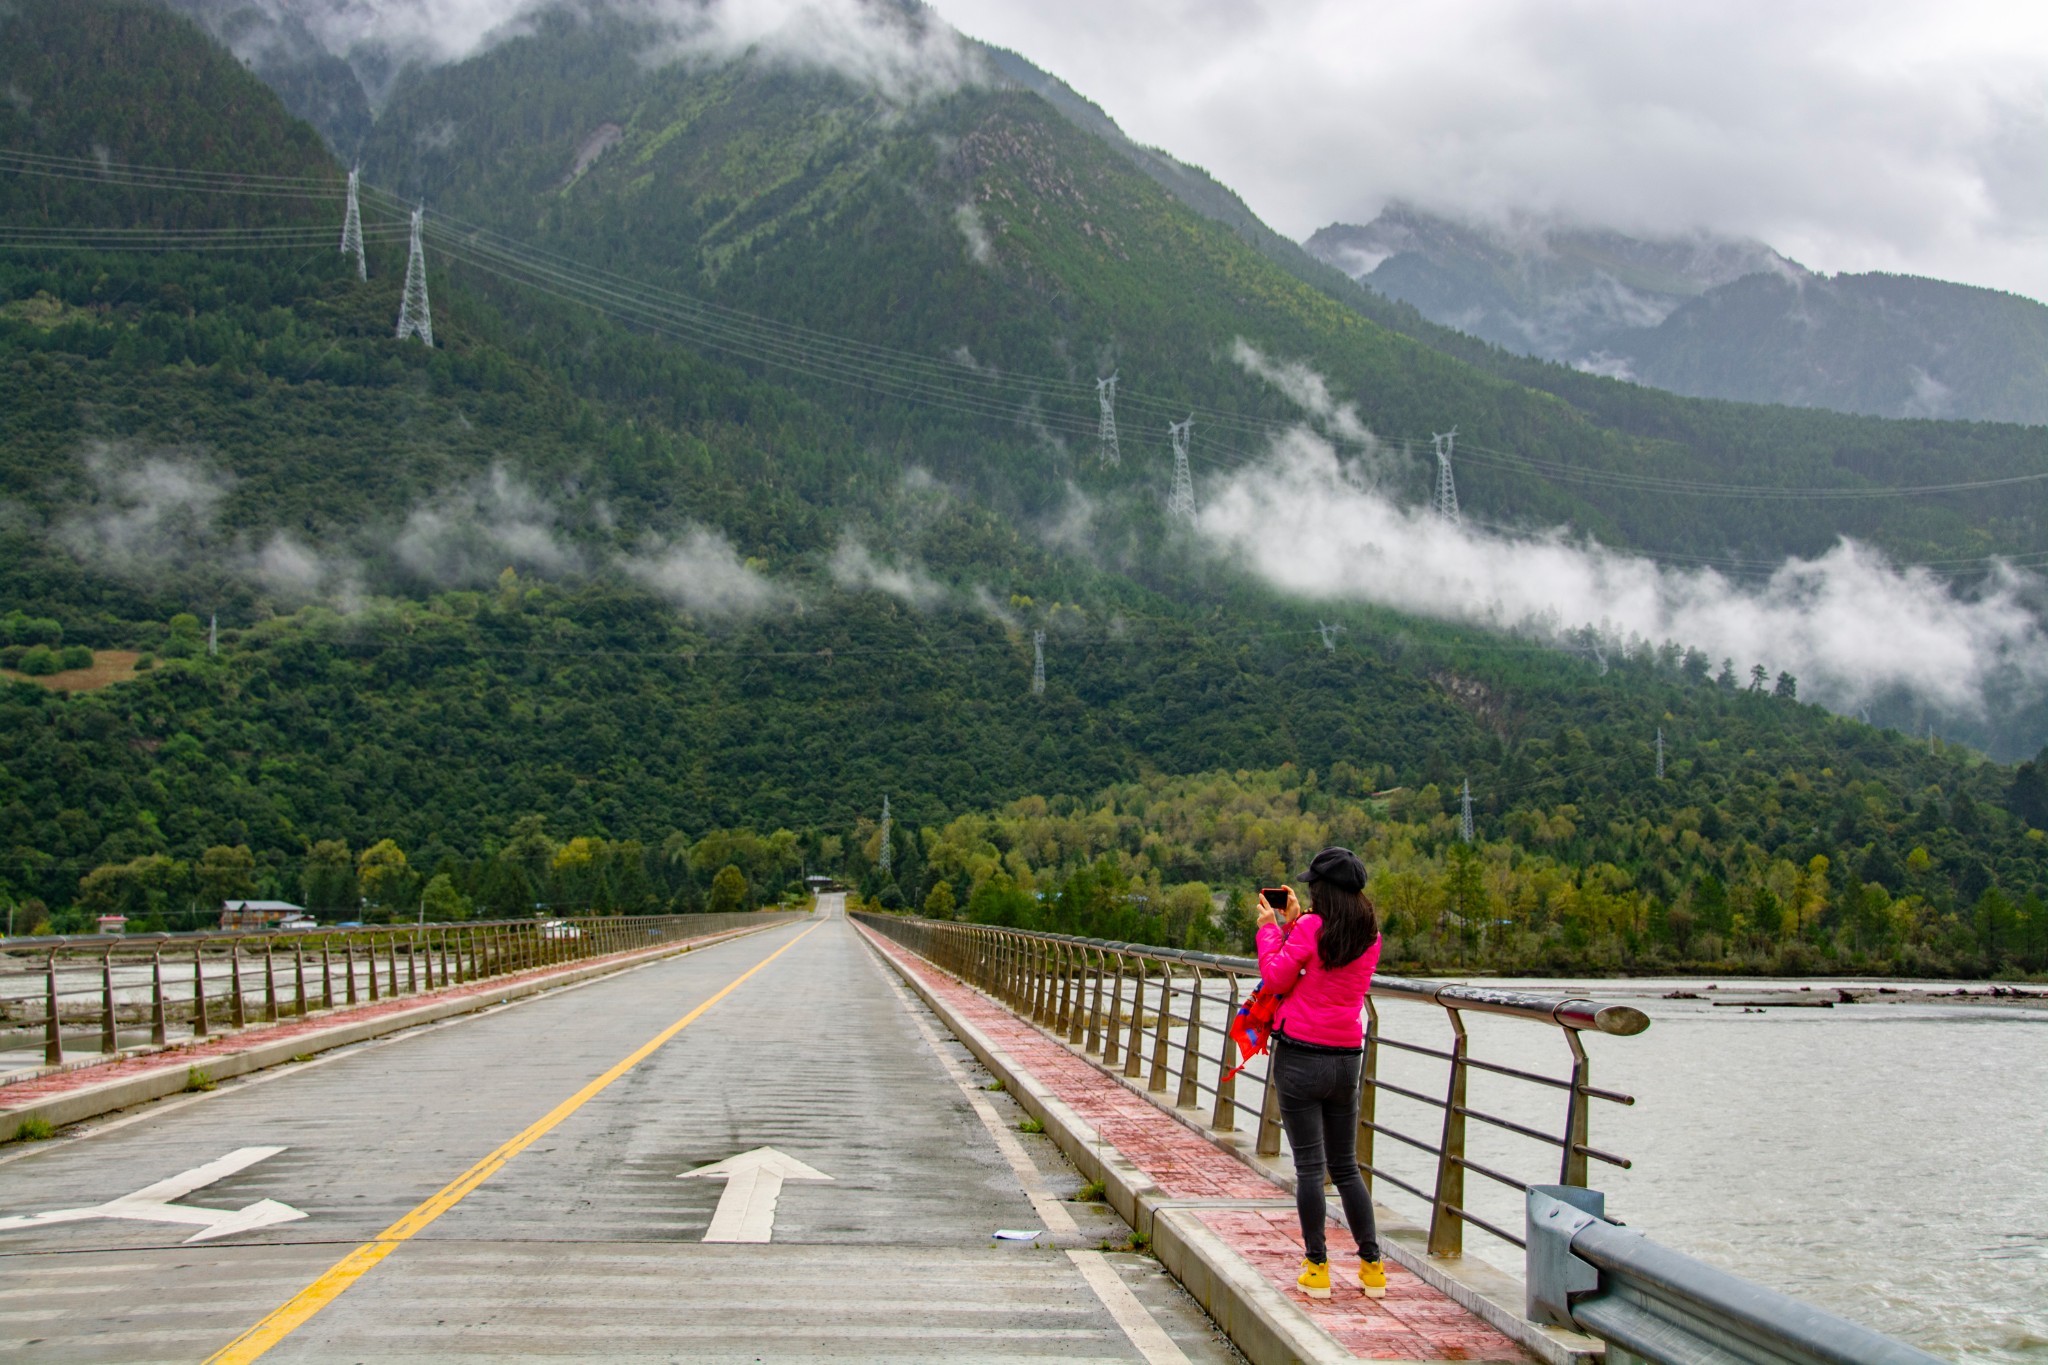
(92, 1101)
(1259, 1319)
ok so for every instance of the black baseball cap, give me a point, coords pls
(1339, 867)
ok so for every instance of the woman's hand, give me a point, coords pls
(1291, 911)
(1265, 913)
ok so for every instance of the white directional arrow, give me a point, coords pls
(753, 1182)
(152, 1203)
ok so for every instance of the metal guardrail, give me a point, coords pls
(1655, 1306)
(1104, 997)
(109, 993)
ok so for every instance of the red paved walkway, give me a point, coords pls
(28, 1089)
(1413, 1322)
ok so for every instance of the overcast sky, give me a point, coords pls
(1907, 135)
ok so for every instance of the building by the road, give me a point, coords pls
(264, 915)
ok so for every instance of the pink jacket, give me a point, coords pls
(1317, 1006)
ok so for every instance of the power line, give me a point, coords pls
(415, 316)
(1180, 504)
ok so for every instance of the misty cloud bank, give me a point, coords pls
(903, 57)
(1847, 624)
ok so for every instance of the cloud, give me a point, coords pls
(1847, 624)
(1878, 134)
(702, 572)
(148, 510)
(967, 218)
(1308, 390)
(471, 535)
(297, 572)
(904, 55)
(857, 570)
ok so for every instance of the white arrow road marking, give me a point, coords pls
(753, 1182)
(152, 1203)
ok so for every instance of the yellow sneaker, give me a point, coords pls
(1372, 1278)
(1314, 1279)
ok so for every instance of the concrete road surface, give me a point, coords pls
(509, 1186)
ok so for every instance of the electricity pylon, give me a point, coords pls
(1037, 663)
(1181, 503)
(1329, 634)
(1465, 813)
(1105, 394)
(213, 634)
(885, 860)
(352, 230)
(1446, 490)
(415, 315)
(1660, 753)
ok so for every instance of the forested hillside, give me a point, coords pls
(576, 608)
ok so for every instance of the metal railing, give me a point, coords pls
(1656, 1306)
(106, 994)
(1163, 1016)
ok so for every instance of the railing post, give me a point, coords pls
(1156, 1082)
(1572, 1170)
(299, 977)
(1369, 1091)
(1095, 975)
(1041, 981)
(1191, 1047)
(198, 994)
(53, 1032)
(1063, 1012)
(1134, 1046)
(1268, 1141)
(269, 982)
(326, 973)
(237, 1012)
(376, 990)
(444, 959)
(110, 1039)
(1225, 1118)
(391, 942)
(159, 1028)
(1446, 1221)
(1111, 1039)
(412, 964)
(348, 953)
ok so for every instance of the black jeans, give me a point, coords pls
(1319, 1110)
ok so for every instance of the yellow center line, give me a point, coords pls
(330, 1286)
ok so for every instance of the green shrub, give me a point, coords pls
(75, 656)
(145, 663)
(10, 655)
(39, 662)
(33, 1129)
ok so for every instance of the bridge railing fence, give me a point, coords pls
(108, 993)
(1161, 1018)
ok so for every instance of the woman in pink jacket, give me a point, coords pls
(1321, 963)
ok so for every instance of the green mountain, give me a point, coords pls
(1711, 317)
(767, 522)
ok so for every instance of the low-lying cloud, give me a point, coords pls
(1308, 389)
(147, 510)
(1848, 625)
(472, 535)
(855, 568)
(702, 572)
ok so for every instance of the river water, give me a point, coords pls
(1886, 1161)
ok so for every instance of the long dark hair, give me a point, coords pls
(1350, 923)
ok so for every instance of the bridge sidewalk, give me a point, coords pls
(1226, 1231)
(75, 1093)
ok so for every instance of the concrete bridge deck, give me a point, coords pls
(510, 1185)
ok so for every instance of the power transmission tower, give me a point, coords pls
(1465, 813)
(213, 634)
(1037, 663)
(1446, 490)
(1660, 753)
(415, 316)
(1182, 503)
(1329, 634)
(886, 859)
(1105, 394)
(352, 231)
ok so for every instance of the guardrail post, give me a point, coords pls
(299, 976)
(237, 1017)
(198, 994)
(1110, 1034)
(159, 1030)
(412, 964)
(1134, 1047)
(391, 942)
(1446, 1221)
(53, 1032)
(269, 982)
(1191, 1048)
(1063, 1010)
(444, 958)
(1369, 1092)
(1225, 1118)
(110, 1039)
(348, 953)
(1095, 975)
(376, 987)
(326, 973)
(1156, 1082)
(1268, 1143)
(1042, 991)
